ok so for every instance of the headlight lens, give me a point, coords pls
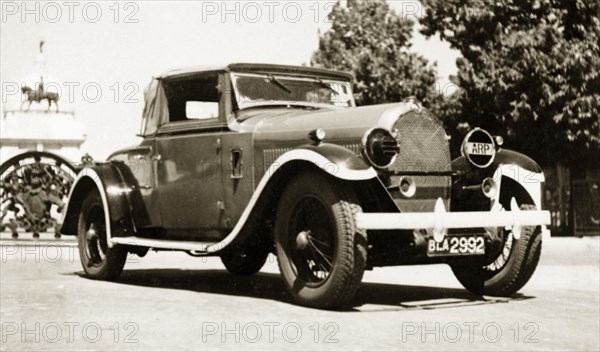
(479, 148)
(380, 147)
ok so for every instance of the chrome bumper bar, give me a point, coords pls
(439, 220)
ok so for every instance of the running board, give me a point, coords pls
(163, 244)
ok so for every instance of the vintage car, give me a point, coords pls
(249, 159)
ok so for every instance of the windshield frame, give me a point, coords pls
(283, 103)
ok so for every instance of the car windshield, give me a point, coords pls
(252, 90)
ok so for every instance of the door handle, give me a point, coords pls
(236, 164)
(157, 157)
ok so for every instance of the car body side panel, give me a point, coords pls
(241, 194)
(339, 160)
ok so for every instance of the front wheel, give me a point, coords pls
(321, 253)
(98, 260)
(511, 270)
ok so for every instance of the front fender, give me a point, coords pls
(109, 180)
(334, 159)
(516, 174)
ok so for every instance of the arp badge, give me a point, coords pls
(479, 148)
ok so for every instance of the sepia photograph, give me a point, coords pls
(326, 175)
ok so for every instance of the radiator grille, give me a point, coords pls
(423, 147)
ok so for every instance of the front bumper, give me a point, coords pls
(440, 221)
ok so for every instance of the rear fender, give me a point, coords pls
(117, 194)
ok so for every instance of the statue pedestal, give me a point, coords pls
(40, 129)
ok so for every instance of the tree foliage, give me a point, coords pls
(370, 40)
(529, 71)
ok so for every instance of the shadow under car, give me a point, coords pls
(370, 296)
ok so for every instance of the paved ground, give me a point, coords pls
(170, 301)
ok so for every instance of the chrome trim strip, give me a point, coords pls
(92, 174)
(164, 244)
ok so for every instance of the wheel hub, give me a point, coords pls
(91, 234)
(302, 240)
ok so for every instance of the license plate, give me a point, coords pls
(456, 246)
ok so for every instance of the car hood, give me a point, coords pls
(424, 145)
(291, 124)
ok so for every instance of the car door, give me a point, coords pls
(189, 180)
(189, 171)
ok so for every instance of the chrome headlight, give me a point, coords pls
(479, 148)
(380, 147)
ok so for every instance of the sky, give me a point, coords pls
(107, 51)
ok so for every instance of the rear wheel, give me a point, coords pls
(98, 260)
(320, 252)
(511, 270)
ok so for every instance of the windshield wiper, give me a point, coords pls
(278, 83)
(325, 85)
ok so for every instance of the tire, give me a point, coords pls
(99, 262)
(246, 261)
(506, 274)
(320, 252)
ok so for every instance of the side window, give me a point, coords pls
(201, 110)
(193, 99)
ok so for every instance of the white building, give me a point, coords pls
(39, 127)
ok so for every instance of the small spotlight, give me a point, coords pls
(317, 135)
(407, 186)
(499, 141)
(489, 187)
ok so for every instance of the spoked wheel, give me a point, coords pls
(510, 270)
(98, 260)
(320, 252)
(315, 241)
